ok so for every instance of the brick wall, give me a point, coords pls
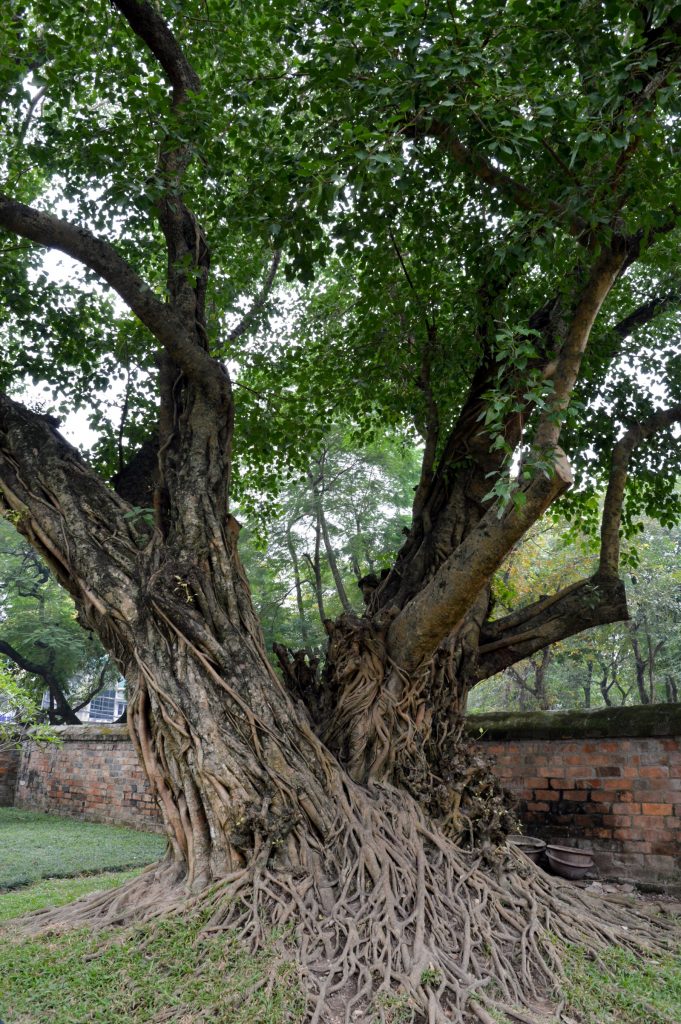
(9, 766)
(95, 775)
(608, 780)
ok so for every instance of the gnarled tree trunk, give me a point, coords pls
(337, 805)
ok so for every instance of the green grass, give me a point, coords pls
(55, 892)
(35, 846)
(631, 991)
(163, 972)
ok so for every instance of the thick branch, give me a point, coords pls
(590, 602)
(435, 611)
(101, 257)
(602, 277)
(500, 181)
(79, 526)
(432, 423)
(152, 29)
(646, 312)
(25, 664)
(614, 497)
(188, 253)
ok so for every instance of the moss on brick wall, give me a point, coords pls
(647, 720)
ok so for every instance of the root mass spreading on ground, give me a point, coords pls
(395, 914)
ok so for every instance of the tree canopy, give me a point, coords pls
(456, 221)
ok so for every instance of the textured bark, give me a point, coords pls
(229, 755)
(327, 806)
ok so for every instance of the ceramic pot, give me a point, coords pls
(530, 846)
(569, 862)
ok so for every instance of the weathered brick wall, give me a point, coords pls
(95, 776)
(9, 766)
(608, 780)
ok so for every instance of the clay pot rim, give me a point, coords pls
(532, 841)
(583, 862)
(573, 850)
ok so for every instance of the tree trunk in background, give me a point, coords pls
(298, 586)
(587, 685)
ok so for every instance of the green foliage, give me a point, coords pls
(317, 132)
(36, 845)
(24, 716)
(38, 621)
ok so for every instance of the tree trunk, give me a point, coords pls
(671, 689)
(331, 555)
(586, 687)
(315, 564)
(298, 586)
(640, 667)
(232, 761)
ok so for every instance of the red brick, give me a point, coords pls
(654, 771)
(657, 809)
(617, 820)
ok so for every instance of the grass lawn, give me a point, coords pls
(55, 892)
(35, 845)
(156, 974)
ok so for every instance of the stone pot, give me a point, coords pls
(569, 862)
(531, 846)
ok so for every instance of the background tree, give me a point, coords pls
(40, 638)
(339, 524)
(491, 190)
(20, 716)
(633, 662)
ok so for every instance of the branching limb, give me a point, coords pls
(602, 277)
(103, 258)
(64, 710)
(500, 181)
(432, 423)
(590, 602)
(647, 312)
(153, 30)
(612, 509)
(594, 601)
(259, 301)
(435, 611)
(188, 254)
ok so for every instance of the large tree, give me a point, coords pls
(491, 188)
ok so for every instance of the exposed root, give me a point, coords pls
(393, 909)
(157, 891)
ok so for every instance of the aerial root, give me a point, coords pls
(455, 938)
(395, 914)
